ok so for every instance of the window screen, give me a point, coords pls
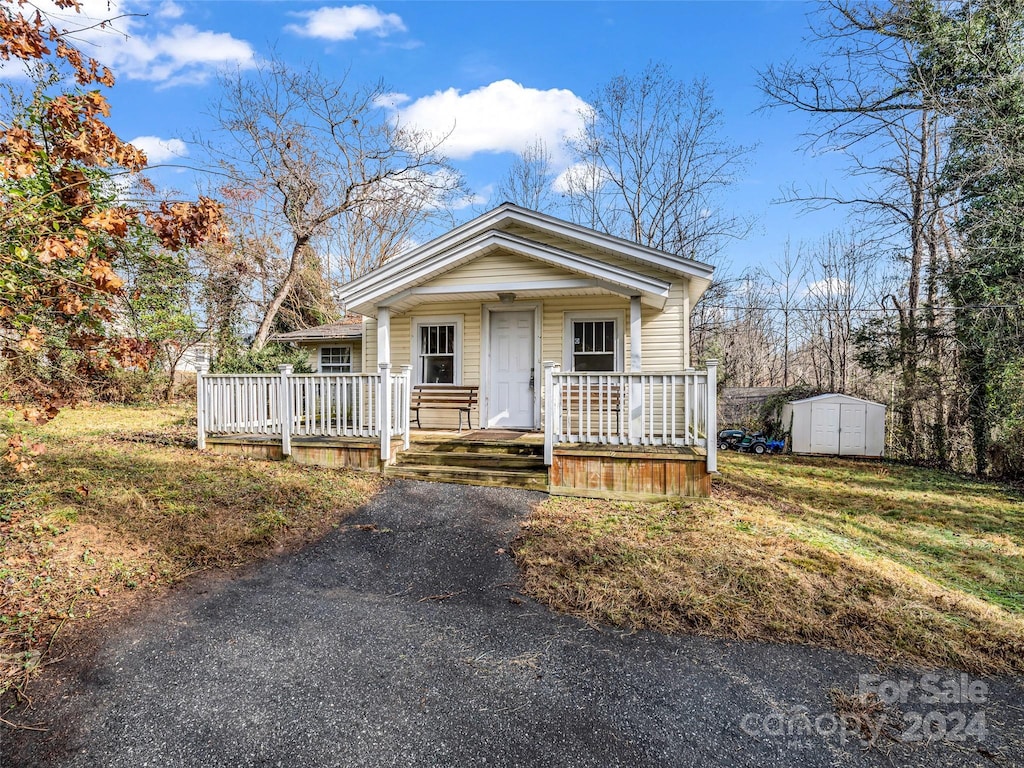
(336, 360)
(437, 354)
(593, 345)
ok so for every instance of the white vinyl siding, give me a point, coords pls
(498, 267)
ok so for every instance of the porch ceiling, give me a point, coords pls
(490, 293)
(577, 275)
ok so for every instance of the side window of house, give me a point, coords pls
(593, 345)
(335, 359)
(437, 354)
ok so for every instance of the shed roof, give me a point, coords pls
(836, 395)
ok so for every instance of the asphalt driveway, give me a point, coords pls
(402, 640)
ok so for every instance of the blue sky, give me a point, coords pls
(501, 72)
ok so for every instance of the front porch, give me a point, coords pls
(608, 435)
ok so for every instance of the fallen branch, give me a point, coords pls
(18, 727)
(438, 598)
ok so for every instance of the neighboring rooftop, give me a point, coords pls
(349, 328)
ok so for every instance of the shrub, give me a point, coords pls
(265, 360)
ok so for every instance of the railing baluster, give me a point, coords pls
(625, 405)
(259, 386)
(648, 409)
(323, 404)
(667, 414)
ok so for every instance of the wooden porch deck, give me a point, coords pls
(521, 437)
(498, 457)
(618, 434)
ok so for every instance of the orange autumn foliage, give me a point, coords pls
(61, 237)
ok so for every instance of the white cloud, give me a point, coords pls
(160, 150)
(182, 55)
(504, 116)
(145, 48)
(832, 286)
(345, 22)
(474, 198)
(170, 10)
(578, 177)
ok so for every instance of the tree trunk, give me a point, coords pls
(282, 293)
(977, 403)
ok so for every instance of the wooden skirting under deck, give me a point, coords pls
(633, 473)
(626, 472)
(342, 452)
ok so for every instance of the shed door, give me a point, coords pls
(825, 428)
(851, 429)
(511, 374)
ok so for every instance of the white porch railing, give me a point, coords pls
(656, 409)
(675, 409)
(238, 404)
(313, 405)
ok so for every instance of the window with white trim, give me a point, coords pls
(335, 359)
(593, 343)
(437, 351)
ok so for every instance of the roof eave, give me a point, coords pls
(366, 301)
(700, 274)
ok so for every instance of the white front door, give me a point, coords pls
(511, 375)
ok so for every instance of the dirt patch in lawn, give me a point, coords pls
(120, 507)
(900, 563)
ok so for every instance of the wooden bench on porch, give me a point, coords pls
(450, 397)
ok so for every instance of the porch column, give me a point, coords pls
(635, 356)
(406, 403)
(202, 368)
(384, 335)
(287, 417)
(551, 418)
(711, 420)
(685, 331)
(384, 410)
(636, 386)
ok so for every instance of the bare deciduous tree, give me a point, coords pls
(378, 228)
(751, 346)
(842, 284)
(869, 99)
(651, 164)
(529, 178)
(784, 287)
(319, 151)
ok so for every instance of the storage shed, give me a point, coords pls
(836, 425)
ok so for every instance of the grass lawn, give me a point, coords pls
(121, 506)
(901, 563)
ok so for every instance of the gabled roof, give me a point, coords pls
(572, 248)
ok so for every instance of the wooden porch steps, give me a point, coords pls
(531, 481)
(495, 463)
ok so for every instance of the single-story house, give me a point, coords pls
(520, 321)
(491, 300)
